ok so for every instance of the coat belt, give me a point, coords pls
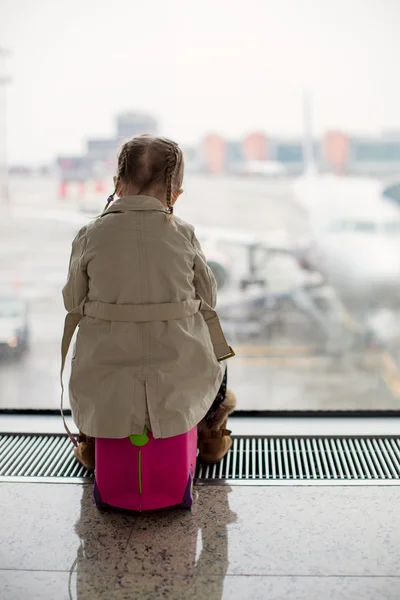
(142, 313)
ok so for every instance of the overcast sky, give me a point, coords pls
(227, 66)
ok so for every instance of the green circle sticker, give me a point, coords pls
(139, 440)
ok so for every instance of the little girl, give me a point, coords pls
(149, 339)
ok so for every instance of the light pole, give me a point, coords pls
(4, 81)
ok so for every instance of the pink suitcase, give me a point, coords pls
(143, 473)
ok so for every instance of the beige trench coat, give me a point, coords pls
(141, 290)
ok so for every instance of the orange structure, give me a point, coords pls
(335, 150)
(100, 186)
(214, 153)
(255, 147)
(63, 190)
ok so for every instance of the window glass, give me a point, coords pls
(365, 226)
(286, 111)
(392, 228)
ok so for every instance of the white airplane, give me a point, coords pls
(354, 232)
(257, 247)
(355, 244)
(353, 240)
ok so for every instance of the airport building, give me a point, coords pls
(236, 156)
(336, 152)
(100, 157)
(363, 155)
(255, 154)
(255, 146)
(213, 154)
(131, 123)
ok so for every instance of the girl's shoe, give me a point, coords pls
(214, 445)
(85, 451)
(214, 438)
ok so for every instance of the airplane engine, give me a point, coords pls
(220, 268)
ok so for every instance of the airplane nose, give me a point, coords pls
(382, 282)
(370, 274)
(386, 269)
(376, 266)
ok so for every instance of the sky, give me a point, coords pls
(224, 66)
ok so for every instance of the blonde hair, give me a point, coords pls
(146, 160)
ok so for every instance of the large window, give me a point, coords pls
(308, 265)
(381, 150)
(287, 153)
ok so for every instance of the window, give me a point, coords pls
(236, 84)
(365, 226)
(352, 226)
(378, 150)
(393, 192)
(338, 227)
(392, 228)
(287, 153)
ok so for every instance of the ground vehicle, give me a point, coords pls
(14, 328)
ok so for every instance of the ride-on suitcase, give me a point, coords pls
(143, 473)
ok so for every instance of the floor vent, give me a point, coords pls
(251, 461)
(307, 459)
(39, 456)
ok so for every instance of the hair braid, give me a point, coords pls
(169, 172)
(121, 171)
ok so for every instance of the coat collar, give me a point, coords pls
(140, 203)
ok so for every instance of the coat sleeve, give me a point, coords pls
(204, 280)
(77, 285)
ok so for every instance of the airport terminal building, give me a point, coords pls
(336, 152)
(257, 153)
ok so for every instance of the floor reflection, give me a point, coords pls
(169, 553)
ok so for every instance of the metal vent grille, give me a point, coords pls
(252, 460)
(40, 456)
(292, 459)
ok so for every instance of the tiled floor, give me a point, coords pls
(245, 543)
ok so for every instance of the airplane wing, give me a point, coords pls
(43, 214)
(273, 241)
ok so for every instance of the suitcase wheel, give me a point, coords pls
(188, 496)
(97, 498)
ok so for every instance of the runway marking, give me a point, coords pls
(259, 351)
(298, 361)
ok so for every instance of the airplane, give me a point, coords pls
(355, 244)
(354, 232)
(353, 238)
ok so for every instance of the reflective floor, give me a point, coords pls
(237, 543)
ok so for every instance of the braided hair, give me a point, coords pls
(172, 163)
(122, 159)
(147, 160)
